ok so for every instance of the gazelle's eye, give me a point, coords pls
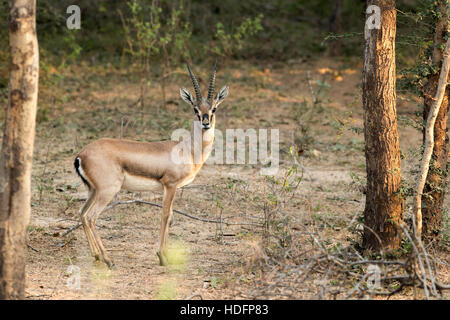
(197, 112)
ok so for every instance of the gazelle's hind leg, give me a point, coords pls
(101, 198)
(89, 235)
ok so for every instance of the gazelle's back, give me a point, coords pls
(132, 162)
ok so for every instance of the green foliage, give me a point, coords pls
(156, 33)
(356, 179)
(421, 22)
(241, 29)
(178, 30)
(142, 35)
(178, 33)
(72, 45)
(406, 189)
(233, 42)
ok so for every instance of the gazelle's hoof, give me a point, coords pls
(162, 259)
(110, 264)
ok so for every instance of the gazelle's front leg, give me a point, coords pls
(169, 194)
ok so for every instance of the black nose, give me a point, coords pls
(205, 118)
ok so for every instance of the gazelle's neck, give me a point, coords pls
(202, 141)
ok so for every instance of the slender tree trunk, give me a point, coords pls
(384, 204)
(17, 148)
(164, 73)
(434, 190)
(336, 28)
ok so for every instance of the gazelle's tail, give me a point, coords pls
(79, 170)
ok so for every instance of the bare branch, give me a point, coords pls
(116, 203)
(429, 140)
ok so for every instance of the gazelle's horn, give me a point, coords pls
(195, 83)
(211, 83)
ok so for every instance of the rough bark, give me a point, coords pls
(384, 203)
(434, 190)
(17, 148)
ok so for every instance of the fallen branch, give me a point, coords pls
(34, 249)
(72, 228)
(116, 203)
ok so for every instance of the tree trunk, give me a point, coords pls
(384, 204)
(434, 190)
(17, 148)
(336, 28)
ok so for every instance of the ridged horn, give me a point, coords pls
(195, 83)
(212, 82)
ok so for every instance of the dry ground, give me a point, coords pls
(209, 260)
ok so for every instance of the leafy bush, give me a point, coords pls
(232, 43)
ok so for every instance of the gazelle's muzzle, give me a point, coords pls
(205, 122)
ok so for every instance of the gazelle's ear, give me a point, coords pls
(221, 95)
(187, 96)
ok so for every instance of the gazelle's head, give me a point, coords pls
(204, 108)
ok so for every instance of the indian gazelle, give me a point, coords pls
(107, 166)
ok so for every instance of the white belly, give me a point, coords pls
(140, 184)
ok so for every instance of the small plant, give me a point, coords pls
(303, 115)
(141, 36)
(153, 35)
(45, 184)
(72, 45)
(33, 228)
(277, 238)
(357, 179)
(322, 92)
